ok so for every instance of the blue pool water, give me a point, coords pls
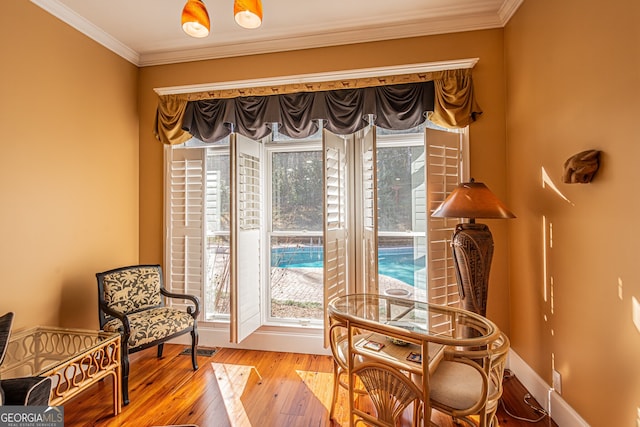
(397, 262)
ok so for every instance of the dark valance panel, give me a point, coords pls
(446, 98)
(342, 111)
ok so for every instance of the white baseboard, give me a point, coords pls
(559, 410)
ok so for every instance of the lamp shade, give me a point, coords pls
(248, 13)
(195, 19)
(472, 200)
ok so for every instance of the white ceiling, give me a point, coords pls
(148, 32)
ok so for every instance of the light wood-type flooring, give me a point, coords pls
(239, 388)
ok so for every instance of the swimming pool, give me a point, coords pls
(396, 262)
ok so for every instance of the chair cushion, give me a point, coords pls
(132, 289)
(151, 325)
(343, 350)
(455, 385)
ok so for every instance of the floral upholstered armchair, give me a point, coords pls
(131, 301)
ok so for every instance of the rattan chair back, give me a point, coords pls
(391, 392)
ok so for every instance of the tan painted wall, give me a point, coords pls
(82, 176)
(573, 70)
(69, 175)
(488, 161)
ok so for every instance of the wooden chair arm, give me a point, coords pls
(194, 299)
(118, 315)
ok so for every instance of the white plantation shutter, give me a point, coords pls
(369, 211)
(246, 210)
(419, 217)
(443, 174)
(184, 256)
(335, 222)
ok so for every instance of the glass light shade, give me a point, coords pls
(472, 200)
(248, 13)
(195, 19)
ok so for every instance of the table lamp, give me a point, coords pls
(472, 244)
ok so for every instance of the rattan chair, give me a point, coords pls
(29, 391)
(339, 349)
(391, 393)
(130, 301)
(468, 382)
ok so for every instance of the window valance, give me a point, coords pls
(445, 97)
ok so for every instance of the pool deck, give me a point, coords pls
(304, 284)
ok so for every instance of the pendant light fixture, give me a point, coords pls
(195, 19)
(248, 13)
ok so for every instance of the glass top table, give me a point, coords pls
(74, 359)
(414, 320)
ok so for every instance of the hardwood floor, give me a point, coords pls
(239, 388)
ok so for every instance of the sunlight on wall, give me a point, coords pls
(547, 242)
(544, 258)
(635, 309)
(620, 288)
(547, 181)
(551, 295)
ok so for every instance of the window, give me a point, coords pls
(217, 214)
(402, 214)
(266, 217)
(295, 232)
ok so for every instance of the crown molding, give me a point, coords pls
(455, 22)
(507, 10)
(327, 38)
(322, 77)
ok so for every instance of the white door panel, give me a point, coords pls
(246, 209)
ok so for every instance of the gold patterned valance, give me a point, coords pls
(397, 101)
